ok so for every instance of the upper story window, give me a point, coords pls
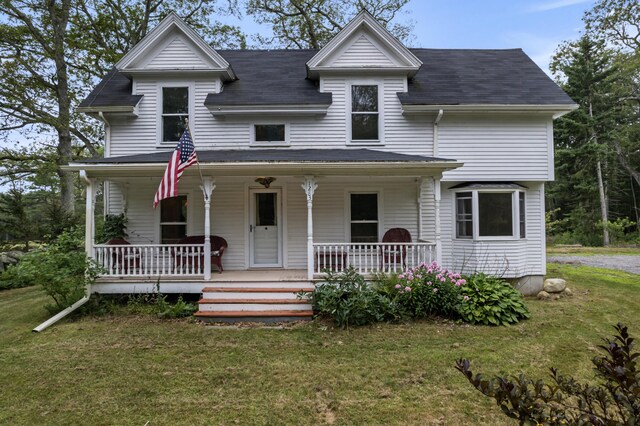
(175, 108)
(270, 134)
(365, 114)
(490, 214)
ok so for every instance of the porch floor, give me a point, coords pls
(253, 275)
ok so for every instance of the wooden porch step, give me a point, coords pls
(253, 314)
(254, 301)
(255, 290)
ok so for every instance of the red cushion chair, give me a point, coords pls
(394, 255)
(218, 246)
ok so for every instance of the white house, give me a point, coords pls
(308, 157)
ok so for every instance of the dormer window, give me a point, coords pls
(175, 108)
(365, 126)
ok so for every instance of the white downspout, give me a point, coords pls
(435, 132)
(89, 231)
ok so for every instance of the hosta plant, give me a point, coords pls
(491, 301)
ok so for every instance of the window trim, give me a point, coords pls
(349, 136)
(159, 115)
(159, 223)
(475, 210)
(347, 211)
(262, 144)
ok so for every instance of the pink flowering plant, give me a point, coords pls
(429, 290)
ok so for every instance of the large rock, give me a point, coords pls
(554, 285)
(543, 295)
(7, 260)
(15, 254)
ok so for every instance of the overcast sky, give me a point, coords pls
(537, 26)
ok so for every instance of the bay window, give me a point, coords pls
(490, 213)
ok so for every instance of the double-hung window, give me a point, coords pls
(490, 213)
(173, 219)
(365, 114)
(364, 218)
(175, 109)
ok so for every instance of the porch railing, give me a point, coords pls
(368, 258)
(150, 259)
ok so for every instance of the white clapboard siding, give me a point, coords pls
(361, 53)
(508, 258)
(142, 218)
(296, 217)
(177, 54)
(114, 200)
(500, 148)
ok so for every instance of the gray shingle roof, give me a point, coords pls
(269, 77)
(276, 155)
(466, 76)
(113, 90)
(447, 77)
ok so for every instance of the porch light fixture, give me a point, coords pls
(265, 181)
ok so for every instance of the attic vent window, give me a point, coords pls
(175, 108)
(364, 113)
(270, 133)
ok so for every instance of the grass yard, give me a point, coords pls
(587, 251)
(134, 370)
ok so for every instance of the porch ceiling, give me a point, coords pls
(336, 162)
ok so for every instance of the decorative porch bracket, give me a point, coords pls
(309, 185)
(207, 187)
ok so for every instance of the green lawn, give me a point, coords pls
(587, 251)
(134, 370)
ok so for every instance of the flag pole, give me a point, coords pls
(186, 123)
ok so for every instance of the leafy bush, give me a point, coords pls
(616, 401)
(491, 301)
(349, 300)
(114, 226)
(12, 278)
(157, 304)
(63, 270)
(429, 290)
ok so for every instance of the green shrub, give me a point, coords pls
(62, 269)
(429, 290)
(113, 227)
(349, 300)
(12, 278)
(157, 304)
(614, 400)
(491, 301)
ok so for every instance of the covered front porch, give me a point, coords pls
(269, 217)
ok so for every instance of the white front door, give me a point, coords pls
(265, 228)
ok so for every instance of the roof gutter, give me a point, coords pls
(557, 110)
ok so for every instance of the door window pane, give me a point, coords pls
(266, 213)
(495, 214)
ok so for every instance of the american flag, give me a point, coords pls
(183, 156)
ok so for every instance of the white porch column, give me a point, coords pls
(436, 199)
(89, 221)
(309, 185)
(207, 188)
(421, 185)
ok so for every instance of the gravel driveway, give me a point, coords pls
(627, 263)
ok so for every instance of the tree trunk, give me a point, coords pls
(59, 20)
(603, 207)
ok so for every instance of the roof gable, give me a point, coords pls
(363, 44)
(173, 45)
